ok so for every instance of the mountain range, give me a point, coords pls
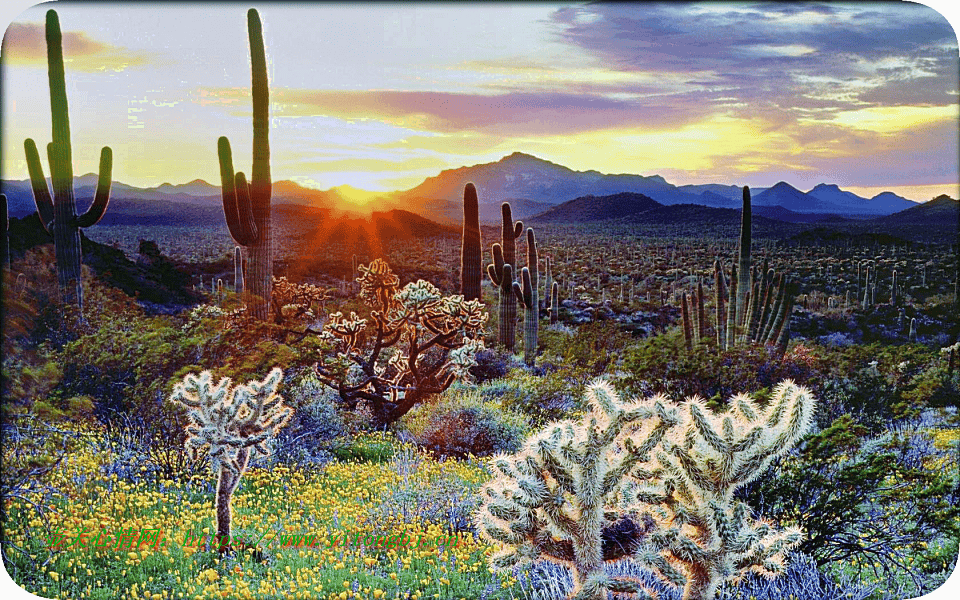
(532, 186)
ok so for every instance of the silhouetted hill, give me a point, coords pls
(785, 195)
(594, 208)
(694, 219)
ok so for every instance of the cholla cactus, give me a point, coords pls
(703, 536)
(232, 424)
(561, 497)
(419, 343)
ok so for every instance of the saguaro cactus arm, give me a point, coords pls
(102, 197)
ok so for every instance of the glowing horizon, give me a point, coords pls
(381, 97)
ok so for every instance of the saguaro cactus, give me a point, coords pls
(471, 270)
(703, 535)
(5, 246)
(501, 274)
(238, 270)
(743, 267)
(556, 497)
(554, 308)
(247, 208)
(528, 295)
(233, 425)
(59, 214)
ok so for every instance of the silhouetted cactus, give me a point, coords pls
(501, 274)
(232, 425)
(471, 253)
(247, 208)
(527, 291)
(743, 265)
(59, 214)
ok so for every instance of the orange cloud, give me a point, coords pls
(25, 44)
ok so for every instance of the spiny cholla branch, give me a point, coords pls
(703, 535)
(232, 424)
(419, 343)
(566, 495)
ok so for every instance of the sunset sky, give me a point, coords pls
(381, 96)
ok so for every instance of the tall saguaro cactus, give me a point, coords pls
(471, 270)
(247, 207)
(743, 264)
(59, 213)
(527, 291)
(501, 274)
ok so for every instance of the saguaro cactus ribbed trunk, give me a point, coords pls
(528, 294)
(471, 271)
(247, 208)
(59, 213)
(501, 274)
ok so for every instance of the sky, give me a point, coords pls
(381, 96)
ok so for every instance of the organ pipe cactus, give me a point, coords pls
(501, 274)
(247, 207)
(561, 496)
(685, 315)
(59, 213)
(471, 270)
(232, 425)
(527, 292)
(703, 535)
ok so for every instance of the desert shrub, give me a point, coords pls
(491, 364)
(663, 365)
(866, 502)
(551, 396)
(462, 423)
(316, 427)
(800, 581)
(449, 502)
(592, 348)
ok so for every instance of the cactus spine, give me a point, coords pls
(501, 274)
(232, 425)
(526, 507)
(703, 534)
(527, 292)
(247, 208)
(471, 270)
(59, 214)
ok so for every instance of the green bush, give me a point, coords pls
(544, 398)
(462, 423)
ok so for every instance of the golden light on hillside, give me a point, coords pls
(355, 196)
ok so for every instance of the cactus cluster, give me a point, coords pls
(59, 213)
(527, 291)
(501, 274)
(232, 425)
(247, 207)
(635, 479)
